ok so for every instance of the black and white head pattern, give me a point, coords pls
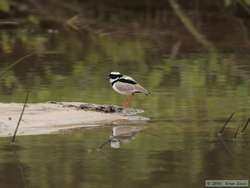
(116, 76)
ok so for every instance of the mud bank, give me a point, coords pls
(51, 117)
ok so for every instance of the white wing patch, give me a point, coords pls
(128, 78)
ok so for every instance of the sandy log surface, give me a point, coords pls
(50, 117)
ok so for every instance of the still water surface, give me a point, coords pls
(191, 98)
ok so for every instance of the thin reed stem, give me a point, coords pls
(225, 124)
(20, 117)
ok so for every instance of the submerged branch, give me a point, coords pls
(223, 143)
(104, 143)
(237, 130)
(225, 124)
(243, 4)
(195, 33)
(245, 126)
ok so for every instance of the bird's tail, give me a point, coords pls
(140, 89)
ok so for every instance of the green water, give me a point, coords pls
(191, 96)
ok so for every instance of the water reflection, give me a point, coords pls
(224, 145)
(13, 172)
(123, 135)
(182, 154)
(189, 93)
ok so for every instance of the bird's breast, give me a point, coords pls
(122, 89)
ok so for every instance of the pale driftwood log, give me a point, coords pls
(45, 118)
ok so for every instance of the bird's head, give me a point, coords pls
(113, 76)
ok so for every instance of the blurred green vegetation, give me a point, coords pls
(76, 44)
(69, 69)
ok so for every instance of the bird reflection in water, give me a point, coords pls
(121, 135)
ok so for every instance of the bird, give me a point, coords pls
(125, 85)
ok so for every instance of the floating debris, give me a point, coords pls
(100, 108)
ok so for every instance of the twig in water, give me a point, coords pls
(237, 130)
(222, 141)
(20, 117)
(245, 126)
(104, 143)
(225, 124)
(21, 168)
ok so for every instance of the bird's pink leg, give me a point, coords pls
(127, 101)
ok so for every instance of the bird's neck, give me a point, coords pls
(114, 81)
